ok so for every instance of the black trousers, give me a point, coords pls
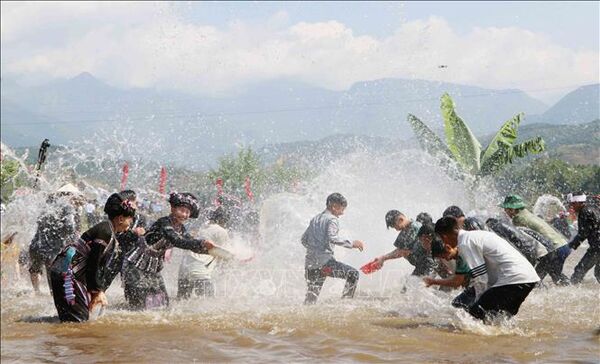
(316, 277)
(465, 299)
(590, 259)
(552, 264)
(497, 300)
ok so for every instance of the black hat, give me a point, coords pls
(186, 199)
(453, 211)
(391, 217)
(118, 205)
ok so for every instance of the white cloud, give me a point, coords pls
(142, 44)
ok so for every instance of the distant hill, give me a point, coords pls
(581, 105)
(199, 129)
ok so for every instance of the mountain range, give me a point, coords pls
(195, 130)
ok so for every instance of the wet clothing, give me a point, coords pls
(510, 277)
(500, 300)
(198, 287)
(488, 254)
(588, 221)
(318, 239)
(315, 277)
(526, 219)
(525, 244)
(88, 265)
(561, 224)
(465, 299)
(195, 270)
(54, 229)
(535, 247)
(553, 262)
(407, 240)
(142, 278)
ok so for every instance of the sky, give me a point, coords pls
(217, 48)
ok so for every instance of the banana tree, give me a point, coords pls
(462, 155)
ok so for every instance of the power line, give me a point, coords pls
(200, 115)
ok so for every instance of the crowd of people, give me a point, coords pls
(80, 266)
(496, 262)
(499, 262)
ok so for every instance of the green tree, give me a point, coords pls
(9, 169)
(462, 155)
(277, 177)
(548, 176)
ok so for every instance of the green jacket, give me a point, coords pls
(527, 219)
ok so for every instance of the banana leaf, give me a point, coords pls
(505, 137)
(463, 145)
(427, 138)
(502, 151)
(434, 146)
(497, 153)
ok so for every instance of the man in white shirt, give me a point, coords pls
(510, 277)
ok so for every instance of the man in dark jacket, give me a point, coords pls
(588, 220)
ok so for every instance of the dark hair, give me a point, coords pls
(426, 229)
(424, 218)
(453, 211)
(445, 225)
(336, 198)
(118, 205)
(391, 217)
(437, 248)
(129, 194)
(186, 199)
(473, 223)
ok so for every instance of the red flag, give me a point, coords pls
(163, 181)
(219, 184)
(124, 176)
(248, 190)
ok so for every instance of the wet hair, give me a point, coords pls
(129, 194)
(473, 223)
(336, 198)
(453, 211)
(445, 225)
(437, 248)
(426, 229)
(391, 217)
(118, 205)
(424, 218)
(186, 199)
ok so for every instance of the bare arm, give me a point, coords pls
(456, 280)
